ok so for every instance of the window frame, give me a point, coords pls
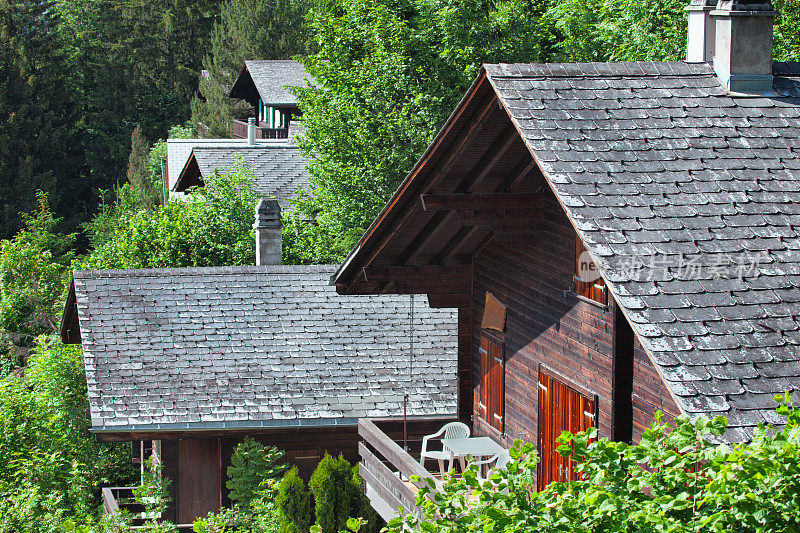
(594, 291)
(491, 404)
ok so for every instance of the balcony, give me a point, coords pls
(239, 130)
(387, 468)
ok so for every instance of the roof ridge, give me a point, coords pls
(196, 271)
(643, 69)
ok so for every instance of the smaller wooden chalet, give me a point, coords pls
(264, 85)
(618, 238)
(192, 360)
(279, 169)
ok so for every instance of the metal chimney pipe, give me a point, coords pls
(251, 131)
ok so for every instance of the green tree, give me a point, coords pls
(388, 73)
(34, 269)
(253, 465)
(787, 30)
(41, 133)
(246, 29)
(294, 504)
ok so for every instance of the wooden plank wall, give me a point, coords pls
(546, 324)
(465, 364)
(649, 393)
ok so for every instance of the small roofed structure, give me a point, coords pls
(279, 169)
(264, 84)
(194, 359)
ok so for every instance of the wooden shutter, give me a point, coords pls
(561, 408)
(492, 404)
(593, 290)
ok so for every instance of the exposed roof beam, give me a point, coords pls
(425, 235)
(454, 244)
(492, 156)
(423, 279)
(449, 202)
(519, 173)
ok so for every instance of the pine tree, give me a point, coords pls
(246, 29)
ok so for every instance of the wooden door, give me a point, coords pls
(561, 408)
(199, 478)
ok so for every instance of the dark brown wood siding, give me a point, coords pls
(650, 394)
(546, 324)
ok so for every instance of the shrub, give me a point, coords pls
(294, 504)
(678, 479)
(252, 465)
(338, 495)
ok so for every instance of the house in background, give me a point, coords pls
(189, 361)
(279, 169)
(626, 240)
(263, 84)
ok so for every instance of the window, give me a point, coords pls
(586, 279)
(492, 381)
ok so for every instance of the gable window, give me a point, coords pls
(491, 404)
(586, 279)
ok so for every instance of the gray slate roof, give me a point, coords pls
(280, 170)
(255, 347)
(672, 184)
(271, 77)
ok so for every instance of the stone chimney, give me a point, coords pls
(269, 246)
(700, 46)
(251, 131)
(743, 45)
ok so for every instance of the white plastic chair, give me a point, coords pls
(500, 460)
(453, 430)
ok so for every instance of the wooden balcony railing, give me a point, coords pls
(239, 130)
(116, 499)
(387, 468)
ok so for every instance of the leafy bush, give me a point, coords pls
(212, 227)
(253, 465)
(294, 504)
(51, 468)
(339, 495)
(676, 480)
(261, 516)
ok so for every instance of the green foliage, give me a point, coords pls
(787, 30)
(294, 504)
(33, 279)
(388, 73)
(246, 29)
(212, 227)
(619, 30)
(339, 495)
(676, 480)
(51, 468)
(261, 516)
(252, 466)
(41, 133)
(153, 494)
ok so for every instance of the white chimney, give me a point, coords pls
(700, 45)
(743, 45)
(251, 131)
(269, 244)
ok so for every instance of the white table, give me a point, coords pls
(474, 446)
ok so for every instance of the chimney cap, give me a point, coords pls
(749, 6)
(268, 214)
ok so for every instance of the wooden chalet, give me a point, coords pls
(618, 238)
(186, 362)
(264, 85)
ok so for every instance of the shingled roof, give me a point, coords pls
(279, 169)
(268, 80)
(687, 198)
(254, 347)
